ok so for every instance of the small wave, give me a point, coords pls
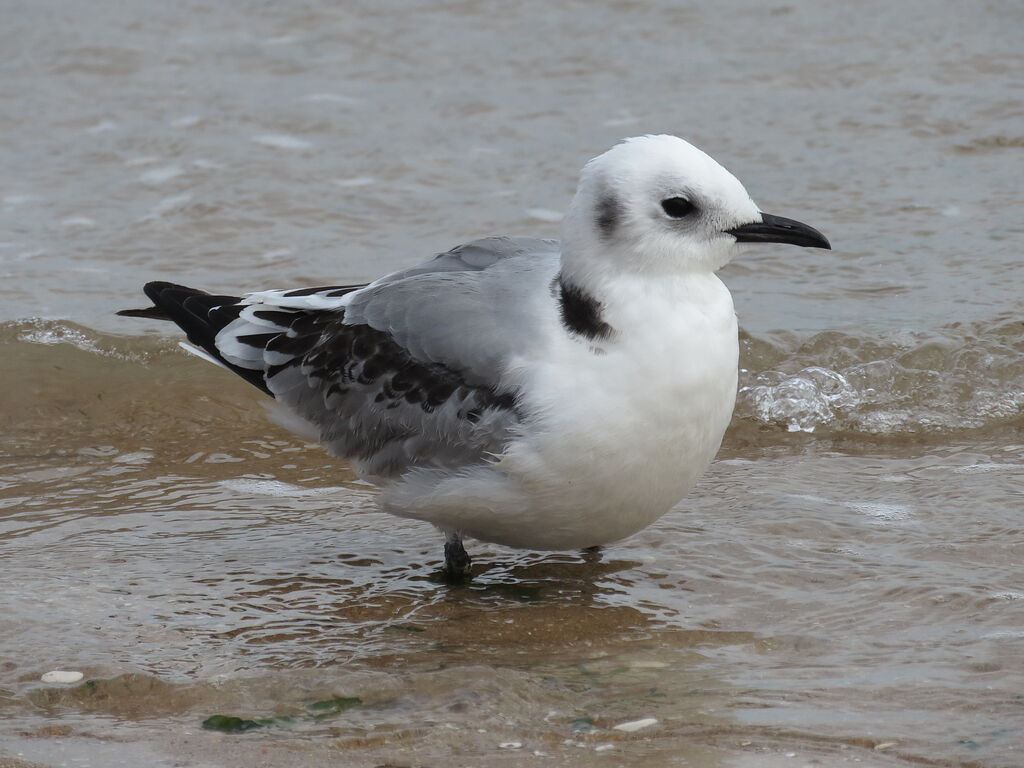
(955, 379)
(958, 378)
(52, 332)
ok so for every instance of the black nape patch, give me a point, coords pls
(609, 213)
(581, 312)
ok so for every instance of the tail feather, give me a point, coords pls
(201, 315)
(265, 336)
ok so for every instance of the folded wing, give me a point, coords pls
(407, 371)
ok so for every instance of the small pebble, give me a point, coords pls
(636, 725)
(885, 745)
(61, 676)
(511, 745)
(604, 747)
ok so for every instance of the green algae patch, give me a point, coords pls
(582, 724)
(318, 710)
(333, 706)
(404, 628)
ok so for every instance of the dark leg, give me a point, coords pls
(456, 561)
(592, 554)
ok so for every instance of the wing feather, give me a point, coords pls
(407, 371)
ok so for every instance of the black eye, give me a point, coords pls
(678, 207)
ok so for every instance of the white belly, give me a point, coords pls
(614, 437)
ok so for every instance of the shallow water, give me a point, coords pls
(843, 588)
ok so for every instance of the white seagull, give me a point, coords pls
(521, 391)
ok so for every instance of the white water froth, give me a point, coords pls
(336, 98)
(802, 402)
(356, 181)
(282, 141)
(917, 383)
(50, 332)
(275, 488)
(83, 222)
(880, 510)
(160, 175)
(188, 121)
(168, 205)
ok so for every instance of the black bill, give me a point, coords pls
(778, 229)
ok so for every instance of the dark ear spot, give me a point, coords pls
(609, 214)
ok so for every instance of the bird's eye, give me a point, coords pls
(678, 207)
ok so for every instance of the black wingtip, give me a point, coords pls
(157, 291)
(157, 288)
(200, 315)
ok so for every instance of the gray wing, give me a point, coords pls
(471, 308)
(407, 371)
(478, 255)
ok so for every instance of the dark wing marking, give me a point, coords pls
(367, 396)
(373, 402)
(331, 290)
(407, 372)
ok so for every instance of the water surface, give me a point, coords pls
(843, 588)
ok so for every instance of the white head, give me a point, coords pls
(658, 205)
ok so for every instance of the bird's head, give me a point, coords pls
(658, 205)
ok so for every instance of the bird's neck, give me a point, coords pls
(598, 307)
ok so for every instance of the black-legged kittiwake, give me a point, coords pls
(534, 393)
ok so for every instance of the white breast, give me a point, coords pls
(617, 432)
(624, 428)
